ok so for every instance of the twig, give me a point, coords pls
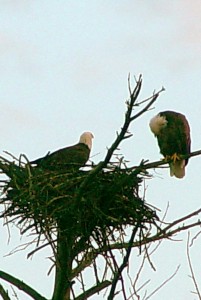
(14, 293)
(162, 234)
(138, 276)
(194, 238)
(85, 262)
(94, 290)
(123, 265)
(146, 108)
(3, 293)
(191, 267)
(162, 284)
(40, 247)
(182, 219)
(148, 257)
(123, 133)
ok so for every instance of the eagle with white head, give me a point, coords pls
(72, 157)
(173, 134)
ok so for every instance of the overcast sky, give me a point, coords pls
(63, 70)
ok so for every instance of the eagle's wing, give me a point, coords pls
(186, 137)
(75, 156)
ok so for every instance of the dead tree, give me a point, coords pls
(84, 215)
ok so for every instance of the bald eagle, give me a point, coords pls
(73, 157)
(173, 134)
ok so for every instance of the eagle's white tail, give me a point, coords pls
(177, 168)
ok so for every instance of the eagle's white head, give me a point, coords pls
(157, 123)
(86, 138)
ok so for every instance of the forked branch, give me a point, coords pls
(124, 134)
(118, 274)
(165, 233)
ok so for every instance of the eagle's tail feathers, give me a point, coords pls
(177, 168)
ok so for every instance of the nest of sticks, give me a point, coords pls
(45, 201)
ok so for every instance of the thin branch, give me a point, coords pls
(14, 293)
(138, 275)
(123, 265)
(194, 238)
(149, 98)
(146, 108)
(4, 293)
(21, 286)
(191, 267)
(83, 264)
(40, 247)
(182, 219)
(162, 234)
(94, 290)
(123, 133)
(162, 284)
(148, 257)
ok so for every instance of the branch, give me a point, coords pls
(162, 234)
(83, 264)
(128, 118)
(146, 108)
(100, 286)
(3, 293)
(182, 219)
(162, 284)
(145, 166)
(123, 265)
(123, 133)
(191, 268)
(21, 286)
(165, 233)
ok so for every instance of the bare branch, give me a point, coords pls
(85, 262)
(146, 166)
(3, 293)
(180, 220)
(191, 267)
(85, 221)
(21, 286)
(146, 108)
(94, 290)
(138, 276)
(164, 233)
(194, 238)
(123, 265)
(162, 284)
(124, 130)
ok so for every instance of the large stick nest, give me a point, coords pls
(41, 200)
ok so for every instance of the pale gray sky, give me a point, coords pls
(63, 70)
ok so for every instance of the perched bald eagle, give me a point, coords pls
(73, 157)
(173, 134)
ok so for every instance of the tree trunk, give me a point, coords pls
(64, 260)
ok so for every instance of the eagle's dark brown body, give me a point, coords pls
(74, 156)
(173, 134)
(68, 158)
(175, 137)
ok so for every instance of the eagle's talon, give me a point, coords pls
(167, 158)
(175, 157)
